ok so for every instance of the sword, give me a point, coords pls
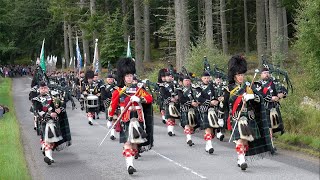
(235, 125)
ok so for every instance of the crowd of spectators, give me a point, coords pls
(15, 70)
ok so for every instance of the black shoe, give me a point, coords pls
(90, 123)
(97, 117)
(112, 137)
(137, 156)
(35, 128)
(94, 117)
(221, 137)
(170, 133)
(130, 170)
(190, 143)
(82, 108)
(164, 121)
(47, 160)
(243, 166)
(211, 150)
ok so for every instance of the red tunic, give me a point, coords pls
(121, 97)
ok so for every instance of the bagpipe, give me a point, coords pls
(280, 76)
(39, 75)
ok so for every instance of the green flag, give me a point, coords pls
(42, 59)
(128, 48)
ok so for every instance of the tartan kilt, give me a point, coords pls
(204, 121)
(92, 109)
(65, 129)
(124, 133)
(263, 143)
(252, 125)
(281, 126)
(184, 119)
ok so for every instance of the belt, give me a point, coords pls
(136, 107)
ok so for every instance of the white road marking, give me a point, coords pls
(163, 156)
(180, 165)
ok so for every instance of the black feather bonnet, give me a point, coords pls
(124, 66)
(236, 65)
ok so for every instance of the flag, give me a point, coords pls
(70, 62)
(96, 58)
(128, 48)
(79, 58)
(42, 59)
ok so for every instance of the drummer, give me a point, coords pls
(91, 91)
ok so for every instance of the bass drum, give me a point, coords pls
(92, 101)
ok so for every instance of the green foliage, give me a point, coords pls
(12, 160)
(300, 140)
(113, 45)
(299, 119)
(196, 54)
(308, 43)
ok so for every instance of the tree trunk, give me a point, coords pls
(92, 7)
(280, 34)
(280, 25)
(285, 32)
(70, 45)
(138, 36)
(66, 46)
(93, 12)
(273, 26)
(186, 31)
(223, 27)
(86, 50)
(178, 33)
(85, 43)
(209, 24)
(246, 35)
(125, 20)
(217, 24)
(268, 40)
(106, 6)
(94, 33)
(199, 10)
(146, 18)
(261, 32)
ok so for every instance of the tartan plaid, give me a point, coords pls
(63, 123)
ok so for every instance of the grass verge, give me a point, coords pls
(12, 161)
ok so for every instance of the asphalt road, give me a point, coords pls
(170, 158)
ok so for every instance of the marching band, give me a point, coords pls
(213, 103)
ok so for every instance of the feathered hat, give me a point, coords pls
(124, 66)
(162, 73)
(89, 74)
(236, 65)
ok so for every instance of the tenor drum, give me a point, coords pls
(92, 101)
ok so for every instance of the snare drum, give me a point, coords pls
(92, 101)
